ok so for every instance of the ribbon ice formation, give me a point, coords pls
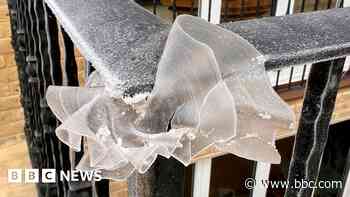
(211, 89)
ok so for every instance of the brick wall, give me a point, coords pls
(11, 115)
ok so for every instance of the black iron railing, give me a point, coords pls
(35, 38)
(269, 9)
(320, 37)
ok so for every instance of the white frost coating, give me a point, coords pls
(136, 98)
(211, 86)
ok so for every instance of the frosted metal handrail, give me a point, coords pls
(296, 38)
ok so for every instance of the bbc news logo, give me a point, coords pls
(51, 175)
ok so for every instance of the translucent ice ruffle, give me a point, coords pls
(211, 89)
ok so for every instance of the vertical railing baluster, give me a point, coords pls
(88, 68)
(47, 118)
(302, 7)
(215, 11)
(290, 7)
(19, 44)
(13, 14)
(69, 63)
(316, 4)
(277, 78)
(262, 173)
(329, 4)
(273, 8)
(242, 9)
(201, 181)
(155, 2)
(312, 134)
(31, 69)
(52, 75)
(290, 77)
(257, 9)
(284, 7)
(192, 7)
(203, 10)
(101, 188)
(226, 10)
(173, 6)
(339, 3)
(303, 74)
(19, 36)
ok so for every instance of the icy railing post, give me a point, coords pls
(312, 135)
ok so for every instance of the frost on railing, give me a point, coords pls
(122, 40)
(211, 89)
